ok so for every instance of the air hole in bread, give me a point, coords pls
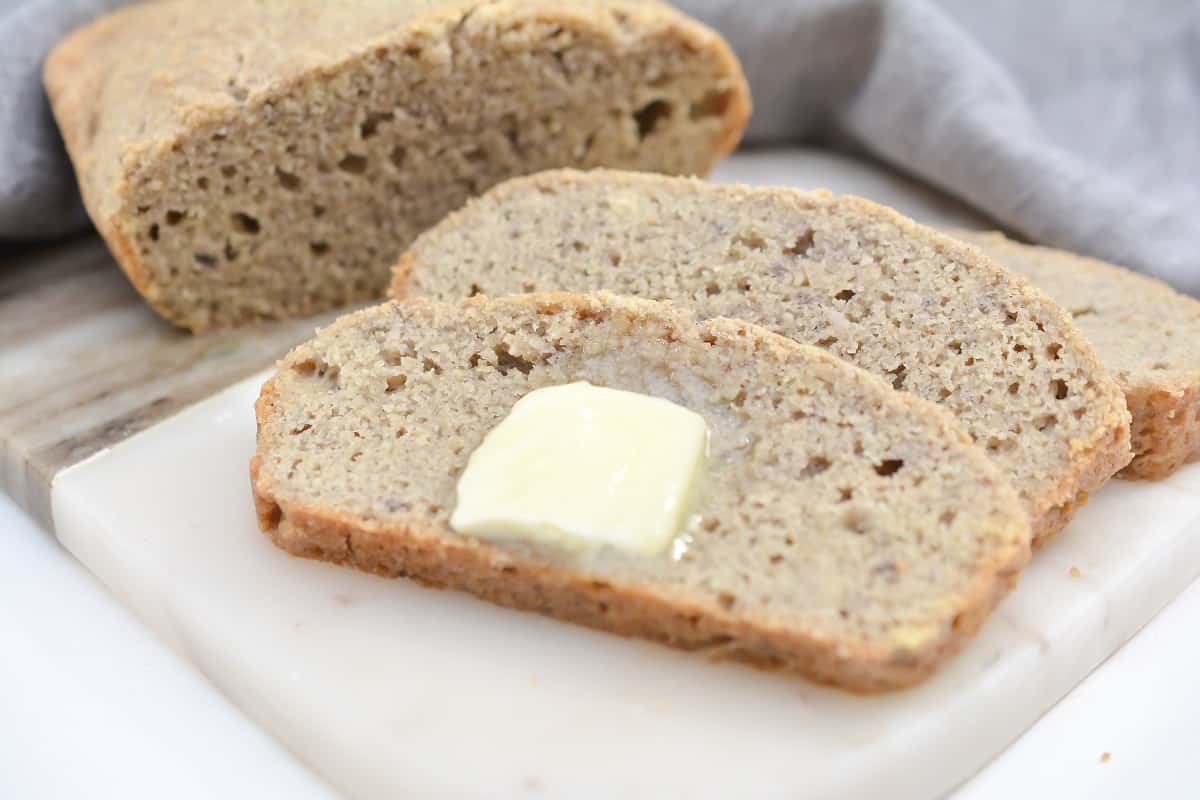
(898, 376)
(889, 466)
(802, 244)
(287, 180)
(506, 361)
(1010, 317)
(845, 494)
(299, 429)
(1060, 388)
(956, 346)
(396, 382)
(318, 248)
(578, 246)
(815, 466)
(230, 251)
(845, 294)
(353, 164)
(205, 259)
(947, 517)
(727, 600)
(229, 170)
(1013, 388)
(1053, 351)
(393, 357)
(429, 365)
(244, 223)
(370, 125)
(1046, 422)
(827, 342)
(648, 116)
(751, 240)
(154, 232)
(174, 217)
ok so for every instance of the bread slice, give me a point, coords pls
(267, 159)
(930, 315)
(844, 530)
(1147, 334)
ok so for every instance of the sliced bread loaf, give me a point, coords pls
(1147, 334)
(266, 159)
(929, 314)
(843, 529)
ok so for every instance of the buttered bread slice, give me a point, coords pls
(930, 315)
(837, 527)
(1147, 334)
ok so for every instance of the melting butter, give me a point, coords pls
(582, 466)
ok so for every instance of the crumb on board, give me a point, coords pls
(1105, 757)
(1074, 572)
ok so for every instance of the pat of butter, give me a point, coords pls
(582, 466)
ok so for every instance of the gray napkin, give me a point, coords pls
(1075, 123)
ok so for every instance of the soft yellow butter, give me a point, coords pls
(583, 466)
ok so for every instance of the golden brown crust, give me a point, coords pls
(1166, 429)
(522, 581)
(626, 610)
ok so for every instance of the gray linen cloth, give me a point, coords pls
(1075, 123)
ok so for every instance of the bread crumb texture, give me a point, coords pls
(844, 530)
(928, 314)
(256, 160)
(1146, 333)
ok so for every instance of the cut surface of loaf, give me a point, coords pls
(927, 313)
(1147, 334)
(842, 529)
(256, 160)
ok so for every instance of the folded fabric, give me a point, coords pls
(1073, 123)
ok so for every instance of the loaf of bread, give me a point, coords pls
(842, 529)
(1147, 334)
(266, 159)
(929, 314)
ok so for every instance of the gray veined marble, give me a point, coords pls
(85, 364)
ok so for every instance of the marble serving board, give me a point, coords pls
(131, 441)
